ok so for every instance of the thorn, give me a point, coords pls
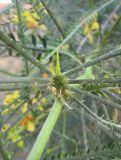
(65, 103)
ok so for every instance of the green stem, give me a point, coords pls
(45, 132)
(18, 86)
(12, 87)
(21, 28)
(3, 152)
(95, 81)
(96, 60)
(108, 34)
(25, 80)
(21, 22)
(3, 71)
(22, 52)
(97, 98)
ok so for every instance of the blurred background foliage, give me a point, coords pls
(41, 26)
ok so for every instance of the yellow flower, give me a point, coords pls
(11, 97)
(5, 127)
(43, 100)
(15, 94)
(31, 22)
(43, 27)
(30, 126)
(27, 14)
(13, 106)
(15, 137)
(87, 29)
(30, 19)
(20, 144)
(40, 108)
(15, 19)
(8, 99)
(90, 38)
(34, 101)
(24, 108)
(5, 111)
(95, 26)
(28, 123)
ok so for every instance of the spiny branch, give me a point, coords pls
(95, 81)
(22, 52)
(99, 59)
(107, 123)
(25, 80)
(97, 98)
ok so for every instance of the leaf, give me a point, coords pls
(88, 72)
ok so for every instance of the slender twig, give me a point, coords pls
(21, 28)
(110, 17)
(53, 18)
(114, 96)
(107, 123)
(25, 80)
(109, 55)
(110, 31)
(11, 88)
(3, 71)
(21, 22)
(95, 81)
(97, 98)
(22, 52)
(18, 86)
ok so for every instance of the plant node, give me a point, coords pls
(59, 86)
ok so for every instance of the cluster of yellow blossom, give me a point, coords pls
(39, 104)
(28, 123)
(8, 100)
(5, 127)
(15, 137)
(89, 28)
(24, 107)
(11, 97)
(31, 19)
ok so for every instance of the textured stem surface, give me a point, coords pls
(45, 132)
